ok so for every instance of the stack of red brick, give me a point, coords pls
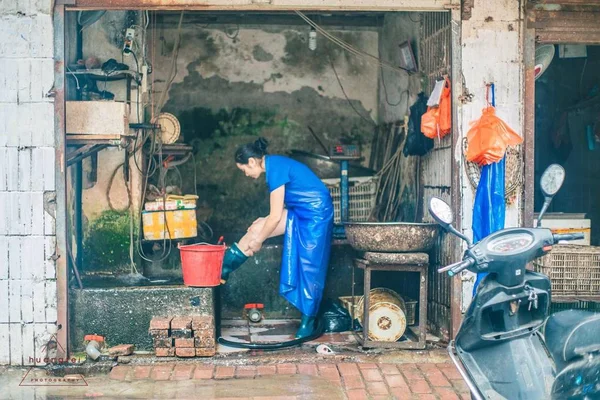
(192, 336)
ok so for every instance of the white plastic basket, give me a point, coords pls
(363, 193)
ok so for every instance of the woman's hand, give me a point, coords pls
(256, 226)
(254, 246)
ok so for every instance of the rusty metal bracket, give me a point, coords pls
(83, 152)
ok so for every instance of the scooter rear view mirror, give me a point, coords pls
(550, 183)
(552, 179)
(441, 211)
(443, 215)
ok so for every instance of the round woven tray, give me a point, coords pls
(513, 171)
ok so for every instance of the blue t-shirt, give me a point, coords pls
(296, 177)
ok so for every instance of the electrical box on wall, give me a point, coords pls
(572, 50)
(128, 43)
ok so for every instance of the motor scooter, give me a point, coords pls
(500, 349)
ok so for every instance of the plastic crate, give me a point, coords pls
(411, 310)
(574, 270)
(363, 194)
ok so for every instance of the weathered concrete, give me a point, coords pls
(122, 314)
(257, 281)
(492, 52)
(232, 86)
(28, 299)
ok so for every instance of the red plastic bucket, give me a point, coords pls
(201, 264)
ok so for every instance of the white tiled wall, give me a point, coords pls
(28, 311)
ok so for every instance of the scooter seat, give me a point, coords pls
(571, 334)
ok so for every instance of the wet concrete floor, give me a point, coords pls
(21, 384)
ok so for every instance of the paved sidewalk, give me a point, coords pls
(356, 380)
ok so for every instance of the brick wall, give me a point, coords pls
(28, 311)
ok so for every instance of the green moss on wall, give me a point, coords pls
(106, 243)
(203, 123)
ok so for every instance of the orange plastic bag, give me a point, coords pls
(445, 110)
(489, 137)
(429, 122)
(437, 121)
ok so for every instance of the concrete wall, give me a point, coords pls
(104, 40)
(233, 86)
(492, 51)
(28, 298)
(230, 87)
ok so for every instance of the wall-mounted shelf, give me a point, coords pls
(99, 74)
(88, 145)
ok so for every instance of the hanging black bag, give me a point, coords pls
(417, 144)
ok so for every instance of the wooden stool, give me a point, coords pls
(399, 262)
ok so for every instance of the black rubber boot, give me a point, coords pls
(307, 326)
(232, 260)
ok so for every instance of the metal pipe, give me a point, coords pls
(345, 193)
(93, 350)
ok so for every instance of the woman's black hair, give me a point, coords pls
(258, 149)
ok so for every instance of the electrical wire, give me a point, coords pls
(581, 78)
(385, 92)
(370, 121)
(153, 59)
(165, 254)
(173, 71)
(73, 75)
(109, 188)
(347, 46)
(195, 175)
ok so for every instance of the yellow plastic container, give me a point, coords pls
(180, 224)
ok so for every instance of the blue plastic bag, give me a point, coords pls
(489, 208)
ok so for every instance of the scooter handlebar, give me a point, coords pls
(567, 236)
(455, 268)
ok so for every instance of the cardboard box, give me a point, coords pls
(568, 223)
(180, 224)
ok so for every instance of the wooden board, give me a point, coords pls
(97, 118)
(93, 137)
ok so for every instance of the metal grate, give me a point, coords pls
(435, 46)
(435, 177)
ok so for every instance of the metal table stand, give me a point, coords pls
(413, 262)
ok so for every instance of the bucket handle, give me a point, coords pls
(179, 246)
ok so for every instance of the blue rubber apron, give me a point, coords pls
(307, 245)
